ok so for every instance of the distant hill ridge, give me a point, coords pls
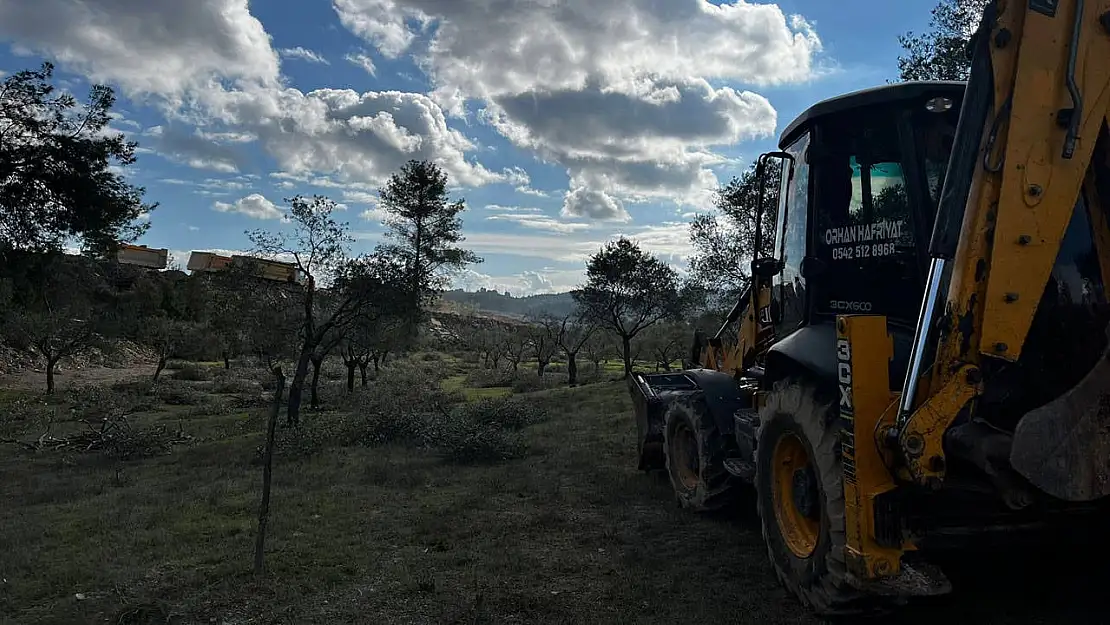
(557, 304)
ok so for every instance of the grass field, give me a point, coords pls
(391, 533)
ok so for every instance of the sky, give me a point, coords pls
(561, 123)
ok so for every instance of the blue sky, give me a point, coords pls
(560, 127)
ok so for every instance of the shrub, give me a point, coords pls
(296, 443)
(505, 412)
(235, 386)
(463, 439)
(97, 402)
(529, 382)
(27, 409)
(192, 372)
(489, 378)
(175, 393)
(403, 387)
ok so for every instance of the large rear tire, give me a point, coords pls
(695, 452)
(800, 498)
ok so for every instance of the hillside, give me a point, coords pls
(557, 304)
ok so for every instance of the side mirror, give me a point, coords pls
(766, 267)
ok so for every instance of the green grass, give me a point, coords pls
(570, 534)
(458, 383)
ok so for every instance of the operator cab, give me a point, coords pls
(856, 209)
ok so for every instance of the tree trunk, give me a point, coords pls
(384, 353)
(377, 365)
(314, 395)
(227, 360)
(540, 367)
(267, 472)
(351, 364)
(160, 367)
(485, 358)
(362, 369)
(293, 411)
(572, 368)
(626, 346)
(667, 366)
(50, 362)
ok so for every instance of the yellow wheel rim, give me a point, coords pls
(793, 489)
(685, 454)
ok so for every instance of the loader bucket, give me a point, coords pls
(651, 395)
(1063, 447)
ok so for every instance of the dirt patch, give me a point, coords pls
(35, 379)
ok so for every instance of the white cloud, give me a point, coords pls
(617, 91)
(593, 204)
(253, 205)
(539, 222)
(210, 65)
(511, 209)
(536, 282)
(521, 284)
(163, 47)
(195, 148)
(304, 54)
(363, 60)
(350, 136)
(670, 241)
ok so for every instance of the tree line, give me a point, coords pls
(62, 182)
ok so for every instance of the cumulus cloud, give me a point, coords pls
(194, 148)
(536, 282)
(616, 91)
(210, 64)
(304, 54)
(524, 283)
(356, 137)
(162, 47)
(593, 204)
(254, 205)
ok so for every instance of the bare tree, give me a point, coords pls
(514, 342)
(666, 342)
(599, 346)
(69, 311)
(268, 471)
(166, 335)
(572, 336)
(318, 247)
(543, 340)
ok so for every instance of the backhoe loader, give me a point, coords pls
(923, 359)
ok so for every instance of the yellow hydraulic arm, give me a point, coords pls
(1036, 105)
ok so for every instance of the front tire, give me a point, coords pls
(800, 498)
(695, 452)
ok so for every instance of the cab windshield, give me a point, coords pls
(868, 232)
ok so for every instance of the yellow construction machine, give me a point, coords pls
(924, 358)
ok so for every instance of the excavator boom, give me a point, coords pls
(1021, 243)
